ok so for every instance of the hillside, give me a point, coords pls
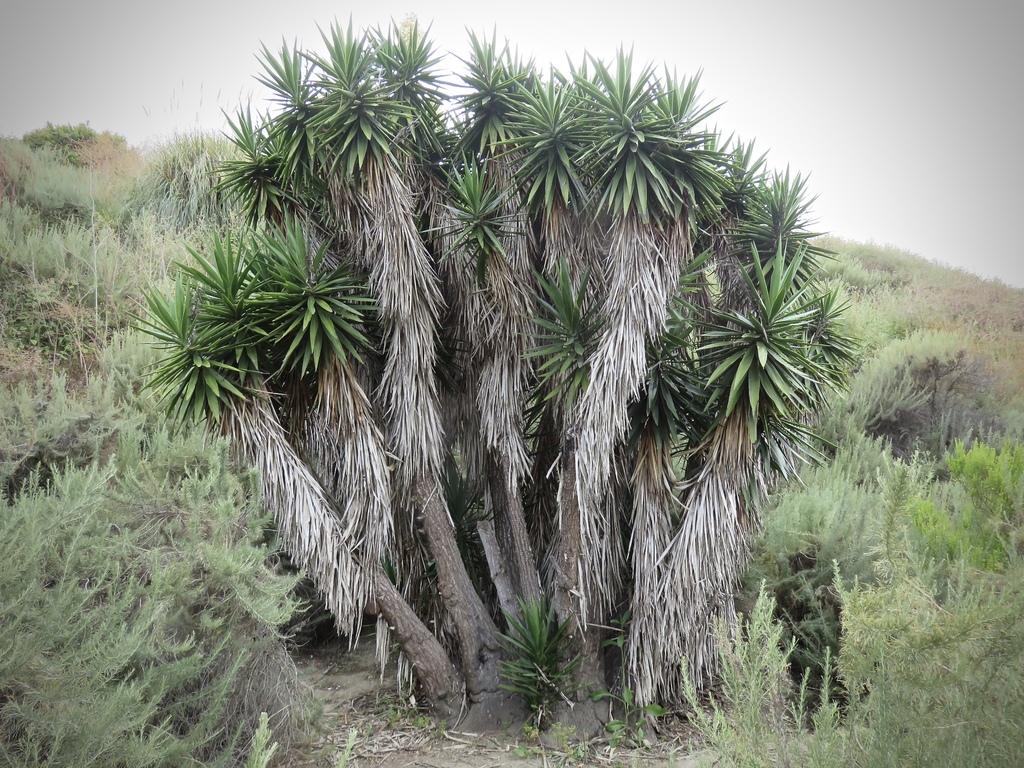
(146, 601)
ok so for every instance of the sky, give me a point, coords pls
(905, 115)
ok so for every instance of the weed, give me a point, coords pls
(629, 727)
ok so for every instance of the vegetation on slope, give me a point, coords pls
(141, 593)
(890, 577)
(139, 580)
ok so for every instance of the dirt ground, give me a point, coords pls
(366, 720)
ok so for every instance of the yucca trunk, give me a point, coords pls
(402, 277)
(342, 438)
(442, 683)
(564, 236)
(655, 505)
(494, 314)
(703, 562)
(502, 388)
(348, 451)
(643, 270)
(321, 542)
(327, 546)
(729, 269)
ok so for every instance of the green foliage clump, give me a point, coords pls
(922, 392)
(932, 670)
(981, 525)
(70, 143)
(850, 270)
(826, 522)
(140, 598)
(762, 720)
(537, 669)
(991, 476)
(68, 281)
(936, 674)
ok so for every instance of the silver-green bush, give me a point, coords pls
(139, 595)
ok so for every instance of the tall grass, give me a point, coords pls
(178, 186)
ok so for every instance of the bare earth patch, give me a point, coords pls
(381, 730)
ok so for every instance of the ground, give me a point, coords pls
(366, 718)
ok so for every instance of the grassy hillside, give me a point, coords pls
(141, 594)
(140, 584)
(892, 575)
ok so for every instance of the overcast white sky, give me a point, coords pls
(906, 114)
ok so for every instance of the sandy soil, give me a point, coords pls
(366, 718)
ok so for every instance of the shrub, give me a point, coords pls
(850, 270)
(762, 719)
(829, 519)
(66, 283)
(938, 676)
(39, 181)
(934, 680)
(140, 598)
(983, 522)
(925, 391)
(70, 143)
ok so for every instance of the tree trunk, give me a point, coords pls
(586, 716)
(565, 581)
(444, 686)
(476, 633)
(512, 535)
(497, 566)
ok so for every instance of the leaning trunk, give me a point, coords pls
(402, 277)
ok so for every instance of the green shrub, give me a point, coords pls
(937, 666)
(851, 271)
(828, 519)
(982, 524)
(66, 285)
(140, 600)
(762, 719)
(991, 476)
(925, 391)
(933, 674)
(70, 143)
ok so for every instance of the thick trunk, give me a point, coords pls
(511, 533)
(584, 716)
(498, 567)
(441, 681)
(584, 641)
(476, 633)
(565, 568)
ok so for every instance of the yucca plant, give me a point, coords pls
(256, 179)
(560, 290)
(643, 163)
(761, 378)
(566, 339)
(539, 668)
